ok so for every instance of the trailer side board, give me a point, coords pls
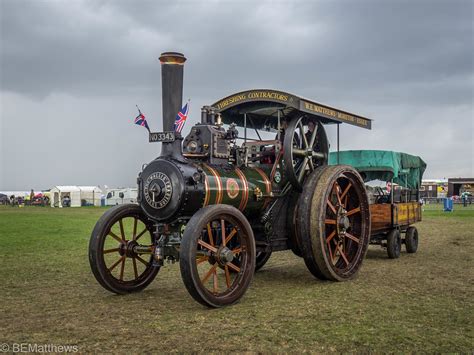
(385, 216)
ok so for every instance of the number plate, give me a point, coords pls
(162, 137)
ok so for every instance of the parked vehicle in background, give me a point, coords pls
(121, 196)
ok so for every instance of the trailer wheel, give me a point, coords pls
(114, 261)
(394, 244)
(411, 240)
(261, 259)
(334, 222)
(217, 239)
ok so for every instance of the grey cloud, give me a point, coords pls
(73, 70)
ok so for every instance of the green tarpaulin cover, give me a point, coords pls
(405, 169)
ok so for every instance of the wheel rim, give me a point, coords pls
(345, 235)
(221, 258)
(126, 251)
(302, 158)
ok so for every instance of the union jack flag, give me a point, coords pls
(181, 118)
(141, 120)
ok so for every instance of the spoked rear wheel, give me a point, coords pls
(120, 250)
(217, 256)
(334, 220)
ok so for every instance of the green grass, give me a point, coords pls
(421, 302)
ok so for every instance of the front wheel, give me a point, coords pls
(120, 250)
(217, 256)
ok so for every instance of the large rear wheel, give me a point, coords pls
(334, 221)
(217, 256)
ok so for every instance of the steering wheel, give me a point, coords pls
(301, 156)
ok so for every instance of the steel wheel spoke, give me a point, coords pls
(305, 141)
(331, 236)
(231, 234)
(299, 152)
(113, 235)
(237, 251)
(313, 136)
(227, 276)
(143, 232)
(209, 233)
(135, 270)
(134, 228)
(107, 251)
(342, 254)
(223, 231)
(215, 282)
(233, 267)
(202, 259)
(209, 273)
(302, 169)
(350, 236)
(141, 260)
(207, 246)
(338, 190)
(330, 221)
(331, 206)
(115, 265)
(331, 257)
(122, 267)
(351, 212)
(121, 229)
(346, 190)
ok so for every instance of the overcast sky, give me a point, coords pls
(72, 72)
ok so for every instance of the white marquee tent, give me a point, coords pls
(91, 194)
(58, 193)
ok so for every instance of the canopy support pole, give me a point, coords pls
(279, 126)
(338, 144)
(245, 127)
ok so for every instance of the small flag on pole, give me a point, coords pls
(141, 120)
(181, 118)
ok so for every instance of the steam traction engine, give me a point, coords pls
(220, 203)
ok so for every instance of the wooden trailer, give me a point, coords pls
(393, 180)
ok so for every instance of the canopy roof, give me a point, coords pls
(405, 169)
(89, 188)
(66, 188)
(263, 105)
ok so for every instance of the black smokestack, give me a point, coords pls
(172, 65)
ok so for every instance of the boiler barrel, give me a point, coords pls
(246, 189)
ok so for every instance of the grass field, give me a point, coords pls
(420, 302)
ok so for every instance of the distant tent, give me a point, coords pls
(90, 195)
(58, 193)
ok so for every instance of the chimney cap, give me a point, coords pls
(172, 58)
